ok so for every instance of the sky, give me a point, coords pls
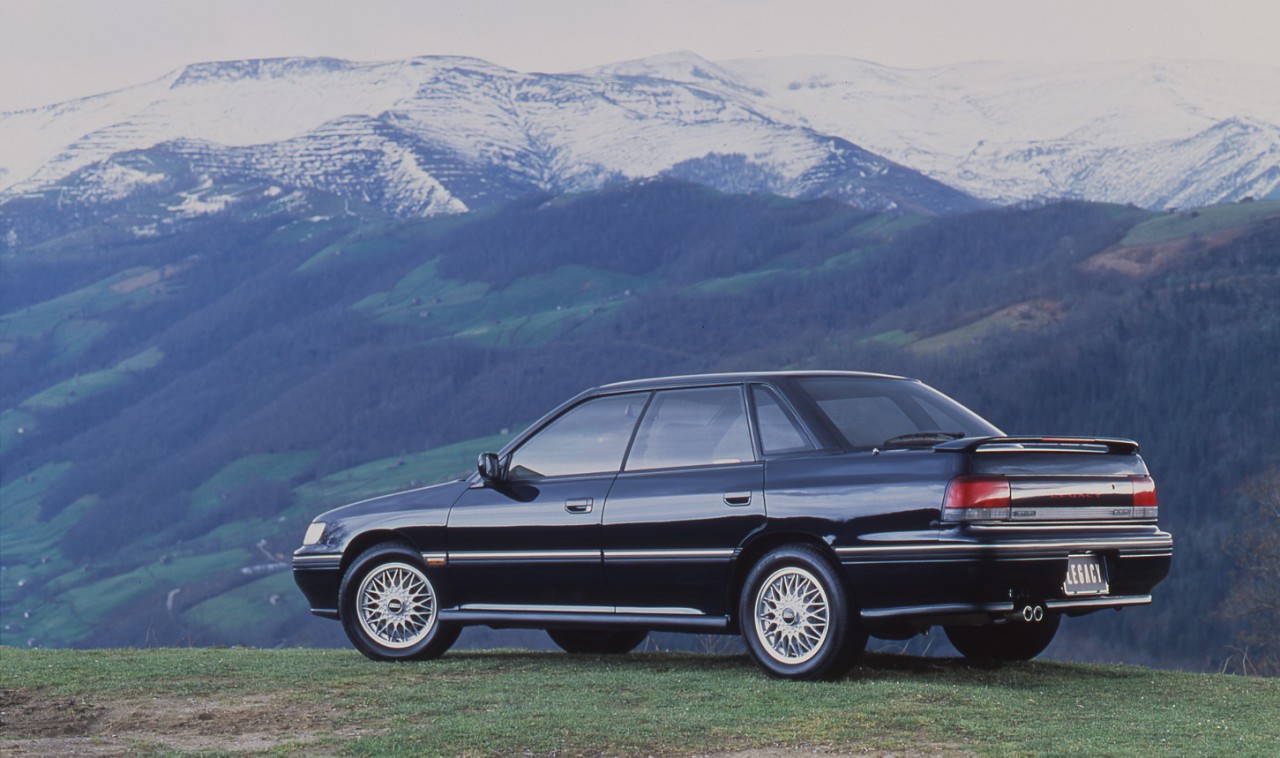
(56, 50)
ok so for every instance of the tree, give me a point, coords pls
(1255, 599)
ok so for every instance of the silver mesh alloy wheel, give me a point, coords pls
(396, 605)
(792, 615)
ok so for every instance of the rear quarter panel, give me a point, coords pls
(889, 502)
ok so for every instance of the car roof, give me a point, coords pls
(731, 378)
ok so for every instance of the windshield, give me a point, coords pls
(871, 412)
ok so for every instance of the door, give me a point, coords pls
(533, 540)
(689, 494)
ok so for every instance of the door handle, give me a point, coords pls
(578, 505)
(737, 498)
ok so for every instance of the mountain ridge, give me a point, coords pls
(993, 112)
(463, 131)
(444, 134)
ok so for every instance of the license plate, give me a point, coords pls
(1086, 575)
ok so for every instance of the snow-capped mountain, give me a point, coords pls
(435, 135)
(439, 135)
(1152, 133)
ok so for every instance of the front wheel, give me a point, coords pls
(1011, 641)
(597, 642)
(390, 608)
(797, 617)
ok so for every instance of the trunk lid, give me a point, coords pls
(1039, 479)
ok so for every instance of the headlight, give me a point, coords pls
(314, 533)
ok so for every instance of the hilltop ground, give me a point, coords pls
(128, 702)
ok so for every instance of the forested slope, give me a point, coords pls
(177, 405)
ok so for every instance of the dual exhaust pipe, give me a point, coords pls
(1032, 613)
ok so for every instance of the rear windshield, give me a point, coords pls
(869, 411)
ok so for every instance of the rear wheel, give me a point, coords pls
(390, 608)
(797, 617)
(598, 642)
(1012, 641)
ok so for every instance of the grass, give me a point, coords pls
(75, 335)
(72, 600)
(348, 249)
(85, 386)
(225, 613)
(507, 702)
(208, 497)
(533, 309)
(20, 503)
(14, 424)
(59, 600)
(1200, 221)
(388, 475)
(421, 291)
(1033, 314)
(370, 238)
(91, 602)
(28, 544)
(743, 282)
(893, 338)
(124, 289)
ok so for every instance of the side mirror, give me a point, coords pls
(490, 467)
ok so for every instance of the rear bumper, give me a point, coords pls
(950, 613)
(976, 574)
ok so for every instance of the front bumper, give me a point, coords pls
(318, 576)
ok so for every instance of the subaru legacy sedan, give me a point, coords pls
(804, 511)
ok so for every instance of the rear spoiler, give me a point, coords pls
(1038, 444)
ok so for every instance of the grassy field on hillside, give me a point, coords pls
(1200, 221)
(504, 702)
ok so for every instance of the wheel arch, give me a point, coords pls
(389, 549)
(757, 548)
(365, 540)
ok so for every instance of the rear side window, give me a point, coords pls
(587, 439)
(779, 433)
(693, 427)
(868, 411)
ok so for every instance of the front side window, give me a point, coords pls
(589, 438)
(870, 411)
(692, 427)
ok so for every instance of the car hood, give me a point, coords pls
(424, 498)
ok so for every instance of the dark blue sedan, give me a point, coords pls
(802, 510)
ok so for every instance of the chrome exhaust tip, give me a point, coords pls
(1037, 614)
(1028, 613)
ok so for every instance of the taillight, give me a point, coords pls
(977, 498)
(1144, 497)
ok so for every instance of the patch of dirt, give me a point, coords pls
(145, 279)
(923, 750)
(1025, 316)
(135, 283)
(24, 714)
(1142, 261)
(1032, 314)
(34, 724)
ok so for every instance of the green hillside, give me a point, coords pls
(175, 407)
(314, 702)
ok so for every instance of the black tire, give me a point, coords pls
(398, 620)
(598, 641)
(1011, 641)
(820, 639)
